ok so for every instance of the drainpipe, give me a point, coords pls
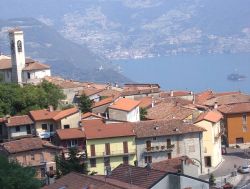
(200, 151)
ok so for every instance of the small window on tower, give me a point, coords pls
(28, 75)
(19, 46)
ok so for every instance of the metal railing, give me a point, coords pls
(160, 148)
(112, 153)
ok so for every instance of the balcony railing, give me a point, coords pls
(45, 134)
(112, 153)
(159, 148)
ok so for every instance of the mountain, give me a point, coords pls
(66, 58)
(123, 29)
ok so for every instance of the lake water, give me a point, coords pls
(191, 72)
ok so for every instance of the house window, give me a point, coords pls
(32, 157)
(66, 126)
(148, 159)
(17, 128)
(244, 122)
(42, 172)
(72, 143)
(107, 149)
(92, 149)
(28, 129)
(154, 138)
(28, 75)
(106, 161)
(148, 144)
(92, 162)
(169, 155)
(51, 129)
(125, 160)
(51, 168)
(125, 147)
(239, 140)
(168, 142)
(44, 126)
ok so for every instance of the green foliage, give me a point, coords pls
(1, 77)
(14, 176)
(212, 180)
(85, 103)
(143, 113)
(66, 106)
(15, 99)
(74, 163)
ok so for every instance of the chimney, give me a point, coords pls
(193, 99)
(171, 93)
(153, 102)
(7, 118)
(51, 109)
(215, 105)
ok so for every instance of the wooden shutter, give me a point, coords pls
(125, 147)
(92, 149)
(107, 148)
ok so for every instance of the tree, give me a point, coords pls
(74, 162)
(14, 176)
(85, 103)
(143, 113)
(212, 180)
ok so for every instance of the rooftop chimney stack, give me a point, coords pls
(171, 93)
(215, 105)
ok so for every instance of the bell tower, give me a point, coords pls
(17, 54)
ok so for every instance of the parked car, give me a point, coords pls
(244, 169)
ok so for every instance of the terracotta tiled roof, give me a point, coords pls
(175, 94)
(64, 113)
(19, 120)
(136, 91)
(212, 116)
(5, 64)
(141, 85)
(125, 104)
(26, 144)
(226, 93)
(168, 111)
(92, 122)
(228, 99)
(202, 97)
(109, 93)
(39, 115)
(154, 128)
(171, 165)
(108, 131)
(89, 91)
(104, 101)
(79, 181)
(235, 108)
(35, 66)
(137, 175)
(73, 133)
(90, 114)
(146, 102)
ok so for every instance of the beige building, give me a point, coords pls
(210, 121)
(48, 121)
(33, 152)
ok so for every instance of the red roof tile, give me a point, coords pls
(154, 128)
(92, 122)
(235, 108)
(18, 120)
(202, 97)
(5, 64)
(137, 175)
(64, 113)
(26, 144)
(104, 101)
(90, 114)
(212, 116)
(146, 102)
(125, 104)
(73, 133)
(35, 66)
(108, 131)
(171, 165)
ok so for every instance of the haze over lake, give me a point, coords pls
(191, 72)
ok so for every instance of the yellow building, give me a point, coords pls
(211, 137)
(108, 146)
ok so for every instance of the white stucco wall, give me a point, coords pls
(132, 116)
(35, 74)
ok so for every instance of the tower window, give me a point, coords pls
(19, 46)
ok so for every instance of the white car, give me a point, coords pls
(244, 169)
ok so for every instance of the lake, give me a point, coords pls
(191, 72)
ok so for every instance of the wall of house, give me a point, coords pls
(12, 133)
(116, 151)
(94, 97)
(211, 146)
(234, 128)
(188, 144)
(132, 116)
(6, 75)
(72, 120)
(40, 131)
(139, 96)
(100, 109)
(35, 75)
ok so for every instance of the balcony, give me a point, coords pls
(45, 134)
(162, 148)
(112, 153)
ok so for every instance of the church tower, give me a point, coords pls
(17, 54)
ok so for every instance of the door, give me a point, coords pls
(51, 129)
(125, 147)
(107, 148)
(92, 150)
(148, 145)
(28, 129)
